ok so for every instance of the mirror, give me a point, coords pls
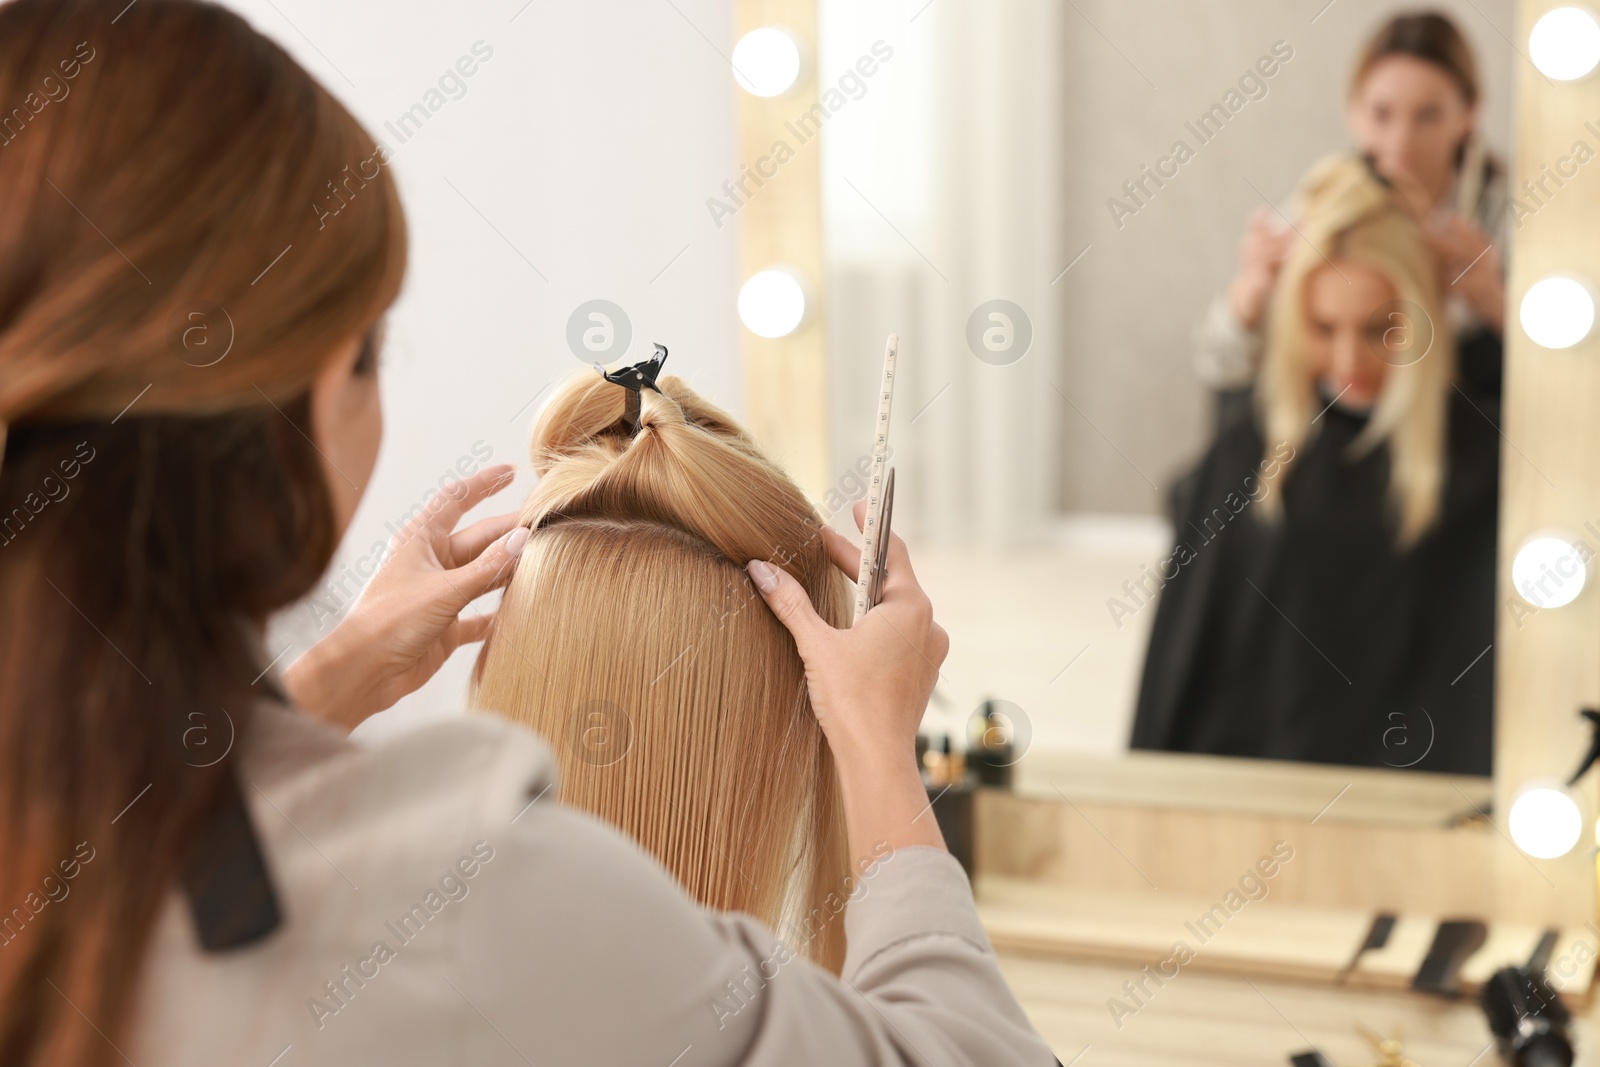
(1171, 377)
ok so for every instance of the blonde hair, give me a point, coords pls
(1348, 215)
(632, 639)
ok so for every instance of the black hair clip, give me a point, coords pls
(231, 896)
(636, 379)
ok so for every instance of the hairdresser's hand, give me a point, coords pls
(1261, 253)
(407, 621)
(1470, 266)
(869, 686)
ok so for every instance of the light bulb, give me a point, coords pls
(1545, 822)
(1549, 571)
(1557, 312)
(772, 303)
(1565, 43)
(766, 62)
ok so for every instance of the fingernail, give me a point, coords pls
(764, 574)
(516, 541)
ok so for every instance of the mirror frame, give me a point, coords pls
(1547, 663)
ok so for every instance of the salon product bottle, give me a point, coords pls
(951, 788)
(989, 749)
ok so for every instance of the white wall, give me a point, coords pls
(590, 140)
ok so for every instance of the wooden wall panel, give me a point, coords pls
(780, 224)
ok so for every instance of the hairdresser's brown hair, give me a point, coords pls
(633, 640)
(1426, 35)
(164, 169)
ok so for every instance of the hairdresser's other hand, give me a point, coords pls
(1261, 253)
(869, 686)
(408, 619)
(1469, 263)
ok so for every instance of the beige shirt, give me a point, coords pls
(440, 907)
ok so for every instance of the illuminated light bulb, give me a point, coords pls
(1549, 571)
(772, 303)
(1557, 312)
(1545, 822)
(1565, 43)
(766, 62)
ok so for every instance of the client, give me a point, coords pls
(632, 639)
(1331, 594)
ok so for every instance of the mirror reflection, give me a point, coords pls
(1197, 421)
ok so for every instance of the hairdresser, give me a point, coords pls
(195, 860)
(1412, 108)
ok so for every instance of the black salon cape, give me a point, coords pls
(1314, 638)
